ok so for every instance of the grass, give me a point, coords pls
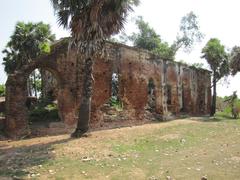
(181, 149)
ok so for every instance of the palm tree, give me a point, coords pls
(28, 41)
(91, 22)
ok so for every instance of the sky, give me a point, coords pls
(218, 19)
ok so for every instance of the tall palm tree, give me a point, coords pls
(91, 22)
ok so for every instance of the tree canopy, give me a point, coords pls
(27, 42)
(217, 58)
(235, 60)
(92, 22)
(148, 39)
(189, 33)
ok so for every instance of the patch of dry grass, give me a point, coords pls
(181, 149)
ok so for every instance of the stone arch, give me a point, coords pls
(16, 124)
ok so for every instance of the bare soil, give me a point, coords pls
(180, 149)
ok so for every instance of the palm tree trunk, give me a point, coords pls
(85, 106)
(214, 98)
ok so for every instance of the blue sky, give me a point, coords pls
(218, 18)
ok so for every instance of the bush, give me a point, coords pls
(2, 90)
(47, 113)
(116, 103)
(227, 111)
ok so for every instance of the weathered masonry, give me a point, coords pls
(172, 87)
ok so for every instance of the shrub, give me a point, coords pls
(116, 103)
(2, 90)
(47, 113)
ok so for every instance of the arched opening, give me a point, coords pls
(151, 105)
(115, 100)
(41, 101)
(169, 95)
(112, 110)
(183, 108)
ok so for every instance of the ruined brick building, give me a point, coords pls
(173, 87)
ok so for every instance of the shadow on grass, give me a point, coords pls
(16, 161)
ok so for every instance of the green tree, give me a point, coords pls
(148, 39)
(197, 65)
(217, 58)
(189, 33)
(91, 22)
(28, 41)
(235, 60)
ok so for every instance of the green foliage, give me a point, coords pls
(116, 103)
(27, 42)
(2, 90)
(224, 106)
(148, 39)
(197, 65)
(235, 60)
(44, 113)
(189, 33)
(45, 47)
(217, 58)
(92, 22)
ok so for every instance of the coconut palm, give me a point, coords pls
(91, 22)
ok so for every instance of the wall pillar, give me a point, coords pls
(16, 124)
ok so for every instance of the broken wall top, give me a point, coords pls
(62, 45)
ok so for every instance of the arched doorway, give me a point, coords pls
(42, 100)
(151, 105)
(17, 102)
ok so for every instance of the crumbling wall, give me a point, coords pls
(178, 88)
